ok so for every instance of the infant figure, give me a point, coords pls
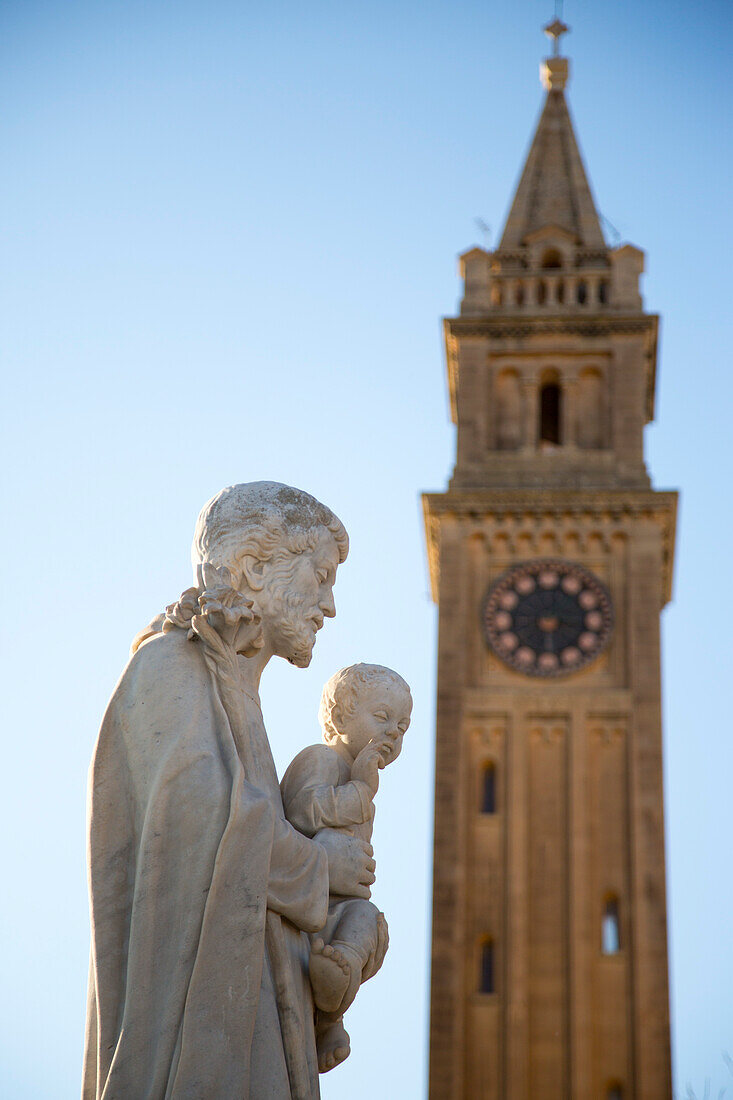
(364, 713)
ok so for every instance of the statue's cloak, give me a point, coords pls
(186, 854)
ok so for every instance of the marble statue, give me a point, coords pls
(205, 900)
(365, 712)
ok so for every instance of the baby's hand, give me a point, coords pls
(366, 767)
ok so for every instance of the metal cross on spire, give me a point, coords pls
(556, 29)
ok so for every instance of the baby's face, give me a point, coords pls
(382, 715)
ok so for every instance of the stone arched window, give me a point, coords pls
(488, 788)
(487, 975)
(552, 258)
(550, 411)
(590, 409)
(508, 411)
(610, 927)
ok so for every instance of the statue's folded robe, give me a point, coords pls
(185, 855)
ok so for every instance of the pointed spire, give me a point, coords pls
(553, 189)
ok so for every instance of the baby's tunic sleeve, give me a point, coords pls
(298, 881)
(314, 798)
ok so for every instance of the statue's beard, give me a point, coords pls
(291, 629)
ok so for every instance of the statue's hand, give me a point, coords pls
(366, 766)
(350, 863)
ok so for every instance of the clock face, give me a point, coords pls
(546, 618)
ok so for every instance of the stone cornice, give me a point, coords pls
(513, 506)
(521, 327)
(466, 502)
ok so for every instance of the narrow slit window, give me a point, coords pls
(486, 976)
(610, 934)
(582, 293)
(488, 789)
(550, 398)
(603, 292)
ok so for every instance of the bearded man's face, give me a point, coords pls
(296, 596)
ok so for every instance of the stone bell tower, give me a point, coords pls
(551, 560)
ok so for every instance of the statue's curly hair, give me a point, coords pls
(342, 692)
(257, 519)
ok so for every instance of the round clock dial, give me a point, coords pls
(546, 618)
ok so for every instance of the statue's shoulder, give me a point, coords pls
(317, 755)
(162, 662)
(175, 645)
(160, 732)
(315, 764)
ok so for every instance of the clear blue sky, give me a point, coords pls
(228, 234)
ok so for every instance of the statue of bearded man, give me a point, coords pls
(201, 892)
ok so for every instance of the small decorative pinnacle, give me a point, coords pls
(555, 30)
(554, 70)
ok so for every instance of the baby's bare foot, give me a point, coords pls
(332, 1045)
(330, 974)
